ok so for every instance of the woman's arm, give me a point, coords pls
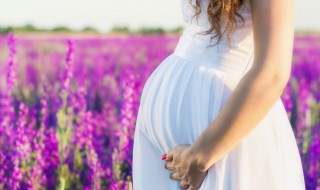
(258, 90)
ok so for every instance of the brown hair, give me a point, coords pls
(216, 10)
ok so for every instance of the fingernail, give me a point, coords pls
(164, 156)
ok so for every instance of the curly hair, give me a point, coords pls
(215, 11)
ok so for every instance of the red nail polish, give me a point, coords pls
(164, 156)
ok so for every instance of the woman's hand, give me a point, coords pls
(181, 160)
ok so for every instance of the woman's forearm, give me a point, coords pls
(247, 105)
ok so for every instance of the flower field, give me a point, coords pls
(68, 108)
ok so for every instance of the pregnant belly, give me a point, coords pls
(179, 101)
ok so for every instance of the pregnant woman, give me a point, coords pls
(212, 108)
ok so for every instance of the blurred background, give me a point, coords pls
(71, 75)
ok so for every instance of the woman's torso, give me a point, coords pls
(186, 91)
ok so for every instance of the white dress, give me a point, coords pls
(183, 96)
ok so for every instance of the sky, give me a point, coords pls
(104, 14)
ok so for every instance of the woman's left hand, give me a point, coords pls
(181, 160)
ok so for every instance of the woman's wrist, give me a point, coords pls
(199, 157)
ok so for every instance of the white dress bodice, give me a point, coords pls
(234, 59)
